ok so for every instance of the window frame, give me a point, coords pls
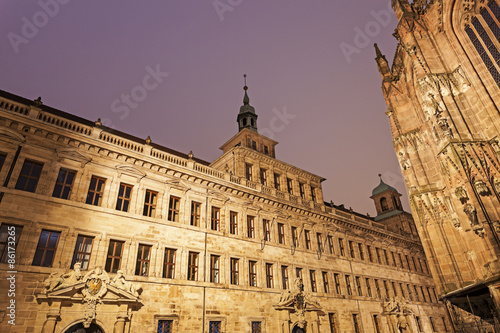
(142, 260)
(123, 199)
(79, 254)
(169, 256)
(193, 266)
(195, 214)
(64, 185)
(96, 194)
(29, 176)
(149, 208)
(113, 256)
(45, 249)
(174, 208)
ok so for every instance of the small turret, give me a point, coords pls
(400, 7)
(247, 118)
(383, 65)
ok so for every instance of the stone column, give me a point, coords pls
(50, 324)
(121, 318)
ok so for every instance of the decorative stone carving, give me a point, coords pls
(496, 226)
(57, 281)
(481, 187)
(474, 222)
(120, 283)
(461, 194)
(445, 127)
(398, 313)
(404, 161)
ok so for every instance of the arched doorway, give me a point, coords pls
(297, 329)
(78, 328)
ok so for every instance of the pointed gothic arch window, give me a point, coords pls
(484, 34)
(383, 204)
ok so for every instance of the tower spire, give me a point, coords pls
(247, 118)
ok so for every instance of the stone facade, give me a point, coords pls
(443, 99)
(114, 233)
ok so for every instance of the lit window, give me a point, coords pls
(83, 249)
(46, 248)
(174, 208)
(169, 264)
(124, 196)
(28, 178)
(114, 256)
(233, 223)
(193, 266)
(142, 264)
(195, 213)
(96, 190)
(9, 237)
(150, 203)
(64, 184)
(215, 218)
(214, 268)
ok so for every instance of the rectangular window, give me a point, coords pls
(269, 276)
(266, 150)
(419, 324)
(370, 254)
(233, 223)
(357, 325)
(377, 288)
(235, 271)
(46, 248)
(263, 177)
(289, 185)
(312, 275)
(409, 292)
(193, 266)
(302, 191)
(351, 249)
(433, 325)
(266, 227)
(284, 277)
(417, 296)
(308, 239)
(348, 284)
(435, 295)
(28, 178)
(395, 289)
(174, 208)
(326, 286)
(402, 291)
(9, 237)
(252, 273)
(319, 239)
(114, 256)
(358, 286)
(338, 288)
(214, 268)
(298, 272)
(313, 194)
(248, 171)
(251, 226)
(424, 299)
(379, 258)
(195, 213)
(408, 262)
(394, 259)
(333, 323)
(277, 184)
(368, 287)
(215, 218)
(149, 209)
(124, 197)
(143, 260)
(341, 247)
(376, 323)
(169, 264)
(361, 252)
(214, 327)
(330, 245)
(83, 249)
(64, 184)
(165, 326)
(257, 325)
(386, 258)
(254, 145)
(401, 260)
(444, 324)
(295, 237)
(281, 233)
(96, 190)
(386, 289)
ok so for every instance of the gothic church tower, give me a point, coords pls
(443, 97)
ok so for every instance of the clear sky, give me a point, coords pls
(174, 70)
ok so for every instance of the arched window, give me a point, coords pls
(383, 204)
(244, 122)
(395, 203)
(484, 33)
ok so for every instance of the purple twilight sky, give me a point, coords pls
(310, 65)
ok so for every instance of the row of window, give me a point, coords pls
(377, 323)
(277, 182)
(31, 171)
(342, 284)
(214, 326)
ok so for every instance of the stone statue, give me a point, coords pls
(403, 326)
(56, 281)
(472, 214)
(120, 283)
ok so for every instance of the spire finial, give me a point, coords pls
(380, 176)
(246, 99)
(245, 79)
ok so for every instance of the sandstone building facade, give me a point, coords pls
(443, 99)
(104, 232)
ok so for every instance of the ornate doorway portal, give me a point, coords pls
(297, 329)
(78, 328)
